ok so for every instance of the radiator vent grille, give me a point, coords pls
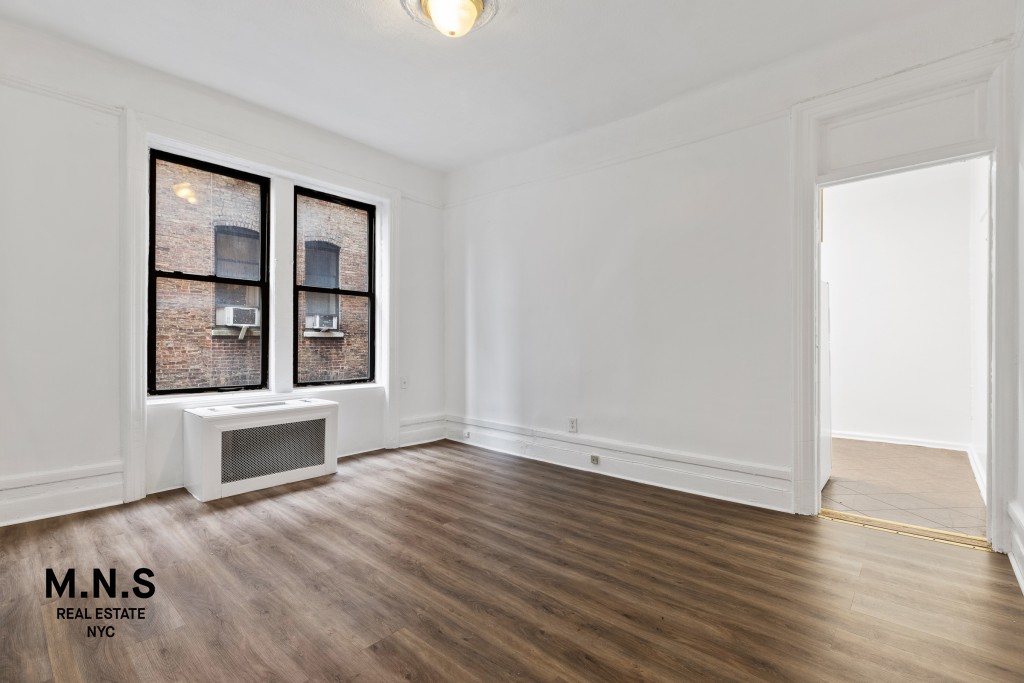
(270, 449)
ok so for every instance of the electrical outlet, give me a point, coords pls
(595, 460)
(404, 382)
(573, 426)
(465, 434)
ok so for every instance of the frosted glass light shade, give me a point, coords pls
(454, 18)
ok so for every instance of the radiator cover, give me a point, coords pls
(232, 449)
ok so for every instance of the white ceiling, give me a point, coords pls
(539, 70)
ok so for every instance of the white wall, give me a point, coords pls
(1015, 470)
(897, 254)
(59, 361)
(640, 277)
(629, 297)
(61, 165)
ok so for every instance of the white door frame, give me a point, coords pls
(979, 84)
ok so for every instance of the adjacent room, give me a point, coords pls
(905, 262)
(487, 340)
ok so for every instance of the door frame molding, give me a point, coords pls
(987, 70)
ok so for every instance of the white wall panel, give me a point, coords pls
(649, 299)
(908, 126)
(59, 217)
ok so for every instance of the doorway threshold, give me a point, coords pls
(947, 537)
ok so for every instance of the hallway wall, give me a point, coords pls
(897, 253)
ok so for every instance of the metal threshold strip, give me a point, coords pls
(948, 537)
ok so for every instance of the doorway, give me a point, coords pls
(904, 350)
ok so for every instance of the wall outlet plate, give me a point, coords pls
(465, 434)
(573, 425)
(595, 460)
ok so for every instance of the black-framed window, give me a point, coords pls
(208, 285)
(334, 289)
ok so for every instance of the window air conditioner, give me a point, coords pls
(238, 316)
(233, 449)
(322, 322)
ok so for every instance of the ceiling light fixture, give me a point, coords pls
(453, 18)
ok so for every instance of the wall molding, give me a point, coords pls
(1018, 32)
(762, 110)
(134, 263)
(39, 89)
(979, 466)
(424, 429)
(19, 481)
(750, 484)
(1015, 564)
(718, 130)
(1015, 513)
(26, 497)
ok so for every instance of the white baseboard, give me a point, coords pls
(359, 450)
(1016, 515)
(901, 440)
(1015, 564)
(417, 430)
(27, 497)
(759, 485)
(979, 467)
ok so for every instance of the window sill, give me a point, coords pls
(323, 335)
(335, 388)
(215, 398)
(234, 332)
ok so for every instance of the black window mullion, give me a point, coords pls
(219, 279)
(331, 290)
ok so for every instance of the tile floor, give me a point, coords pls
(926, 487)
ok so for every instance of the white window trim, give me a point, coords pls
(142, 132)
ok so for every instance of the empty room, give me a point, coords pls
(904, 303)
(484, 340)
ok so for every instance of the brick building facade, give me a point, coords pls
(210, 224)
(324, 358)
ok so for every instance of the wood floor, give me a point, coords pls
(448, 563)
(927, 487)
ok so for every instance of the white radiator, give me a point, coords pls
(237, 448)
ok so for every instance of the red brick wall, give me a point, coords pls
(188, 353)
(324, 359)
(329, 359)
(191, 350)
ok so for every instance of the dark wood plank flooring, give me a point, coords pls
(447, 563)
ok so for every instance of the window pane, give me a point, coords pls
(237, 252)
(323, 226)
(323, 354)
(321, 304)
(197, 341)
(321, 265)
(191, 204)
